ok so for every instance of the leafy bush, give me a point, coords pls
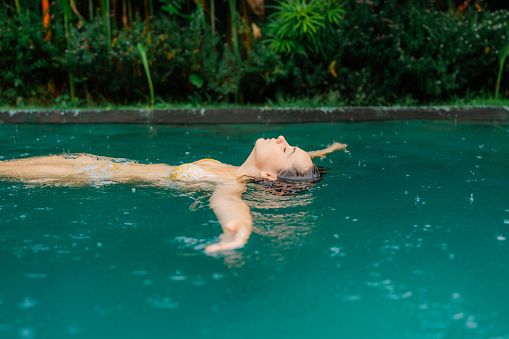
(302, 26)
(26, 60)
(402, 51)
(386, 53)
(103, 73)
(378, 52)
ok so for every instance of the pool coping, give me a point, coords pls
(259, 115)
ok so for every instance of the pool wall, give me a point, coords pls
(255, 115)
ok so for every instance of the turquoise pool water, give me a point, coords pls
(407, 236)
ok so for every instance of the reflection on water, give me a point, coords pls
(260, 198)
(405, 237)
(283, 229)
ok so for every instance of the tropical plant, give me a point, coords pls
(504, 53)
(144, 60)
(302, 26)
(174, 7)
(66, 9)
(383, 52)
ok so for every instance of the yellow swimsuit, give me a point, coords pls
(189, 172)
(102, 171)
(185, 172)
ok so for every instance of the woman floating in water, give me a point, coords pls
(273, 160)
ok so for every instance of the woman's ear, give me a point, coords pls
(268, 175)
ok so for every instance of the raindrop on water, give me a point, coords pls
(27, 332)
(164, 303)
(458, 316)
(27, 303)
(470, 322)
(178, 276)
(217, 276)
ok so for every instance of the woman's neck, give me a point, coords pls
(248, 168)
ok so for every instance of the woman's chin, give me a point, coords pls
(260, 141)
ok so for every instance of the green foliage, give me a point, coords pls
(26, 61)
(143, 55)
(386, 52)
(302, 26)
(504, 53)
(418, 51)
(196, 80)
(174, 7)
(357, 53)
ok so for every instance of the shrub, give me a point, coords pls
(380, 52)
(386, 53)
(419, 52)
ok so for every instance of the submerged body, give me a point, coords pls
(270, 159)
(84, 168)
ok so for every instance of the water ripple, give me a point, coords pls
(28, 303)
(163, 302)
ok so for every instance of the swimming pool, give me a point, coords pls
(407, 236)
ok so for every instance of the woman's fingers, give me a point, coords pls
(338, 146)
(213, 248)
(230, 241)
(224, 246)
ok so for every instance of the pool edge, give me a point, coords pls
(254, 115)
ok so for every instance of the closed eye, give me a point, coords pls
(284, 150)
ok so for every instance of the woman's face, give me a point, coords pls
(272, 155)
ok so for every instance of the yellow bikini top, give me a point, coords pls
(189, 172)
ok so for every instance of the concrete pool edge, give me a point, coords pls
(255, 115)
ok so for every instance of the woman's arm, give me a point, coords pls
(321, 153)
(233, 215)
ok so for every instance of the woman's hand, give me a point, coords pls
(233, 215)
(337, 146)
(235, 237)
(331, 148)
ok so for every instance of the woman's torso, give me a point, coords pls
(90, 168)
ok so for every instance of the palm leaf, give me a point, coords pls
(504, 53)
(196, 80)
(144, 60)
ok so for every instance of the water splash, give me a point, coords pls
(178, 276)
(163, 302)
(28, 303)
(27, 332)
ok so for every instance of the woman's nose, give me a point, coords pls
(281, 139)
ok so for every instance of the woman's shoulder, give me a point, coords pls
(207, 159)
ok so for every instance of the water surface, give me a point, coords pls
(406, 237)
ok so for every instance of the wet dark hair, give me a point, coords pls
(293, 180)
(295, 174)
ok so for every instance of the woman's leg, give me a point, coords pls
(54, 167)
(82, 168)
